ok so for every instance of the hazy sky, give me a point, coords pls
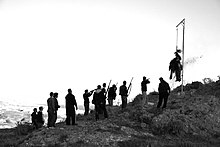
(53, 45)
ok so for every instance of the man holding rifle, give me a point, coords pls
(86, 96)
(103, 100)
(123, 91)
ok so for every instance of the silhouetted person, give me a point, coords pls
(86, 96)
(112, 94)
(104, 88)
(97, 98)
(164, 91)
(123, 91)
(175, 67)
(144, 90)
(51, 110)
(70, 109)
(103, 100)
(57, 106)
(34, 118)
(40, 117)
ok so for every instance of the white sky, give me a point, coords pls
(53, 45)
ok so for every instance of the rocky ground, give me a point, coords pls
(192, 119)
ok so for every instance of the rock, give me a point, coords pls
(143, 125)
(129, 131)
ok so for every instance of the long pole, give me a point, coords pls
(183, 54)
(183, 23)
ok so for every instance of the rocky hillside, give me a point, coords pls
(192, 119)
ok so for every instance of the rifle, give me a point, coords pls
(108, 87)
(129, 87)
(92, 90)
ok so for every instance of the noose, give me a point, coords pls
(177, 39)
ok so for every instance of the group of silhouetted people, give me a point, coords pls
(163, 89)
(37, 118)
(99, 100)
(53, 106)
(100, 95)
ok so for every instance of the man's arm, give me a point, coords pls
(53, 104)
(75, 102)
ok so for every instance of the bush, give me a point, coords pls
(207, 80)
(154, 93)
(23, 128)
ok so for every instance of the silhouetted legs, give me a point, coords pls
(71, 117)
(144, 98)
(86, 105)
(171, 74)
(55, 119)
(178, 72)
(103, 107)
(51, 119)
(110, 101)
(124, 101)
(162, 97)
(97, 111)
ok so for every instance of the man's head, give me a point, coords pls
(86, 91)
(161, 79)
(41, 108)
(35, 109)
(51, 94)
(69, 90)
(99, 87)
(55, 95)
(124, 82)
(104, 85)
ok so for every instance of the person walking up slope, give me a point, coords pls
(123, 91)
(164, 91)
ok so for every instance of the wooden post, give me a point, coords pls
(183, 23)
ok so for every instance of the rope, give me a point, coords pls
(176, 38)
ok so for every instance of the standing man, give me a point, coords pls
(97, 98)
(34, 118)
(104, 88)
(40, 117)
(57, 106)
(164, 91)
(123, 91)
(70, 109)
(86, 96)
(51, 110)
(112, 94)
(103, 100)
(144, 90)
